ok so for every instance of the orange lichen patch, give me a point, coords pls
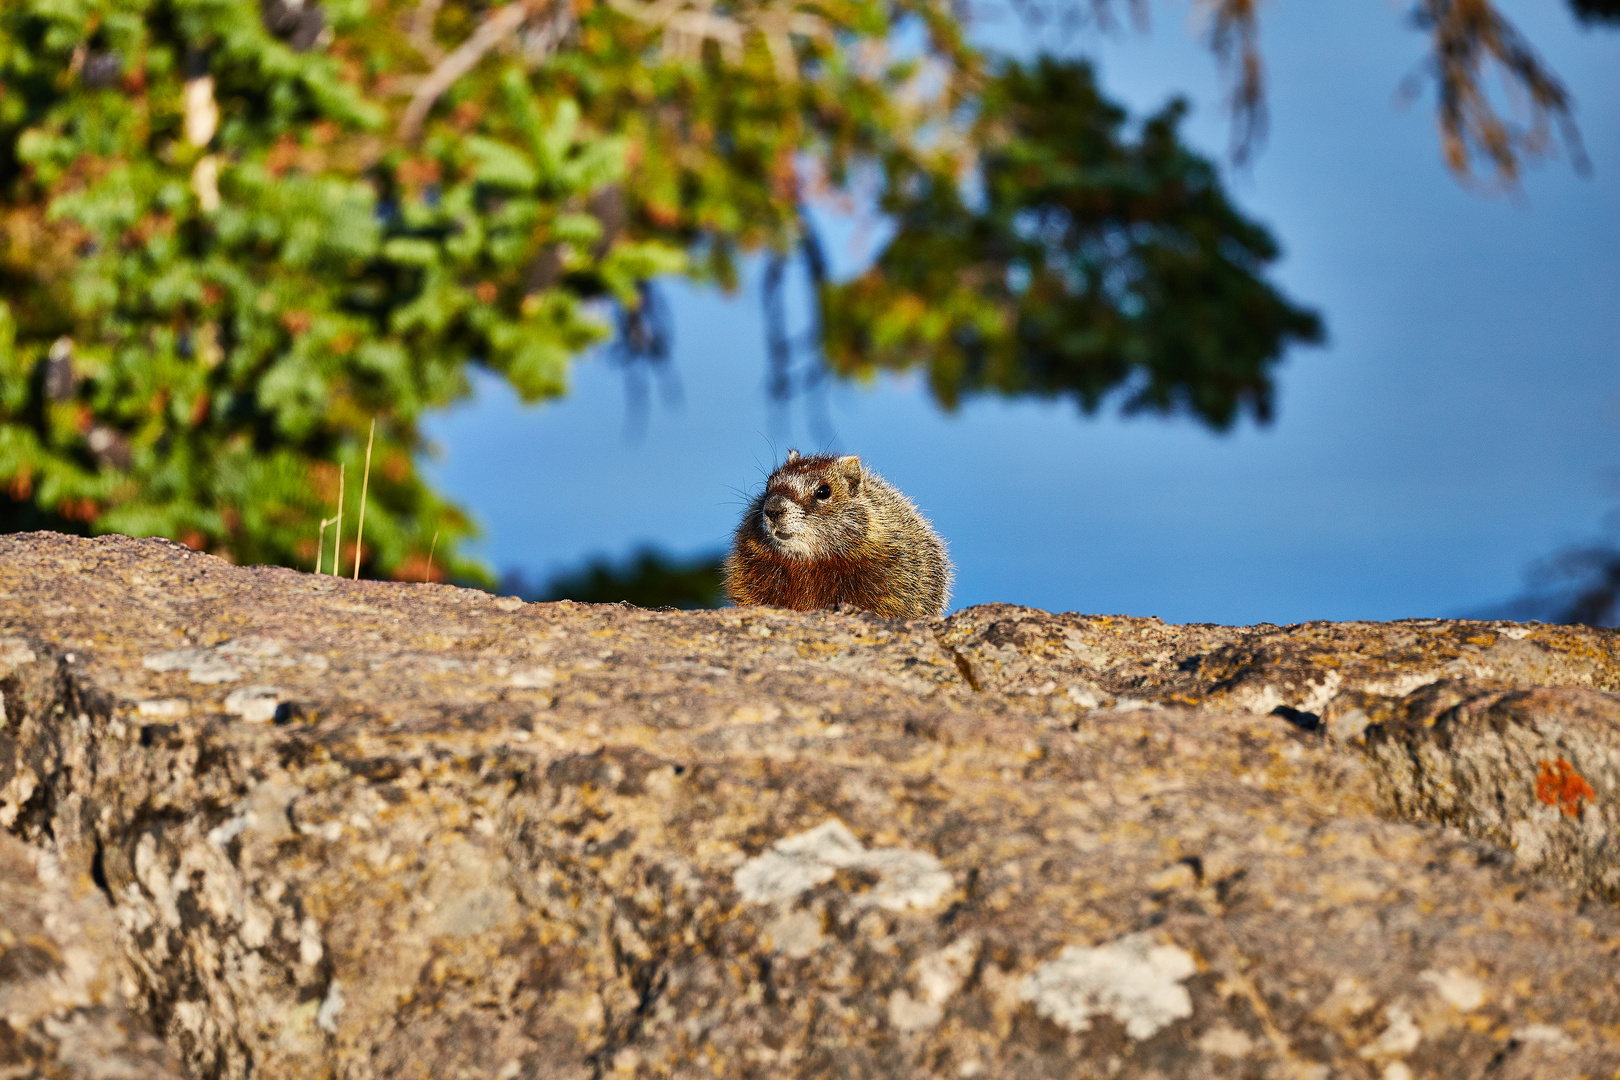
(1558, 784)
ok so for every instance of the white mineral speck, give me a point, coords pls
(1463, 991)
(1225, 1041)
(937, 976)
(908, 1014)
(796, 934)
(199, 665)
(333, 1004)
(1083, 697)
(1400, 1036)
(255, 704)
(15, 652)
(533, 678)
(1546, 1035)
(309, 942)
(173, 659)
(941, 974)
(230, 829)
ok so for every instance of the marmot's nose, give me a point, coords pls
(774, 513)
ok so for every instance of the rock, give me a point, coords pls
(419, 831)
(1534, 769)
(62, 1010)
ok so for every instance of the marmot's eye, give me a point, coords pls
(823, 492)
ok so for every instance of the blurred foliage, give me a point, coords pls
(234, 233)
(1474, 42)
(1590, 580)
(1597, 11)
(648, 579)
(1579, 585)
(1082, 263)
(223, 255)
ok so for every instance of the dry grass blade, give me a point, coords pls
(320, 544)
(431, 549)
(365, 485)
(337, 542)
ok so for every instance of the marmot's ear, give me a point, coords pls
(850, 467)
(793, 455)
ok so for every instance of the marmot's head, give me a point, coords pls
(812, 506)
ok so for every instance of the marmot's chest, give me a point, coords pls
(865, 580)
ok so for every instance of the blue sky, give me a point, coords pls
(1461, 423)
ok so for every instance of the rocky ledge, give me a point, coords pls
(270, 824)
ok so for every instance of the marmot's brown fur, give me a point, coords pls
(827, 531)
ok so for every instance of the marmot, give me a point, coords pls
(827, 531)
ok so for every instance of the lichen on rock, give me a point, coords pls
(905, 879)
(1132, 979)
